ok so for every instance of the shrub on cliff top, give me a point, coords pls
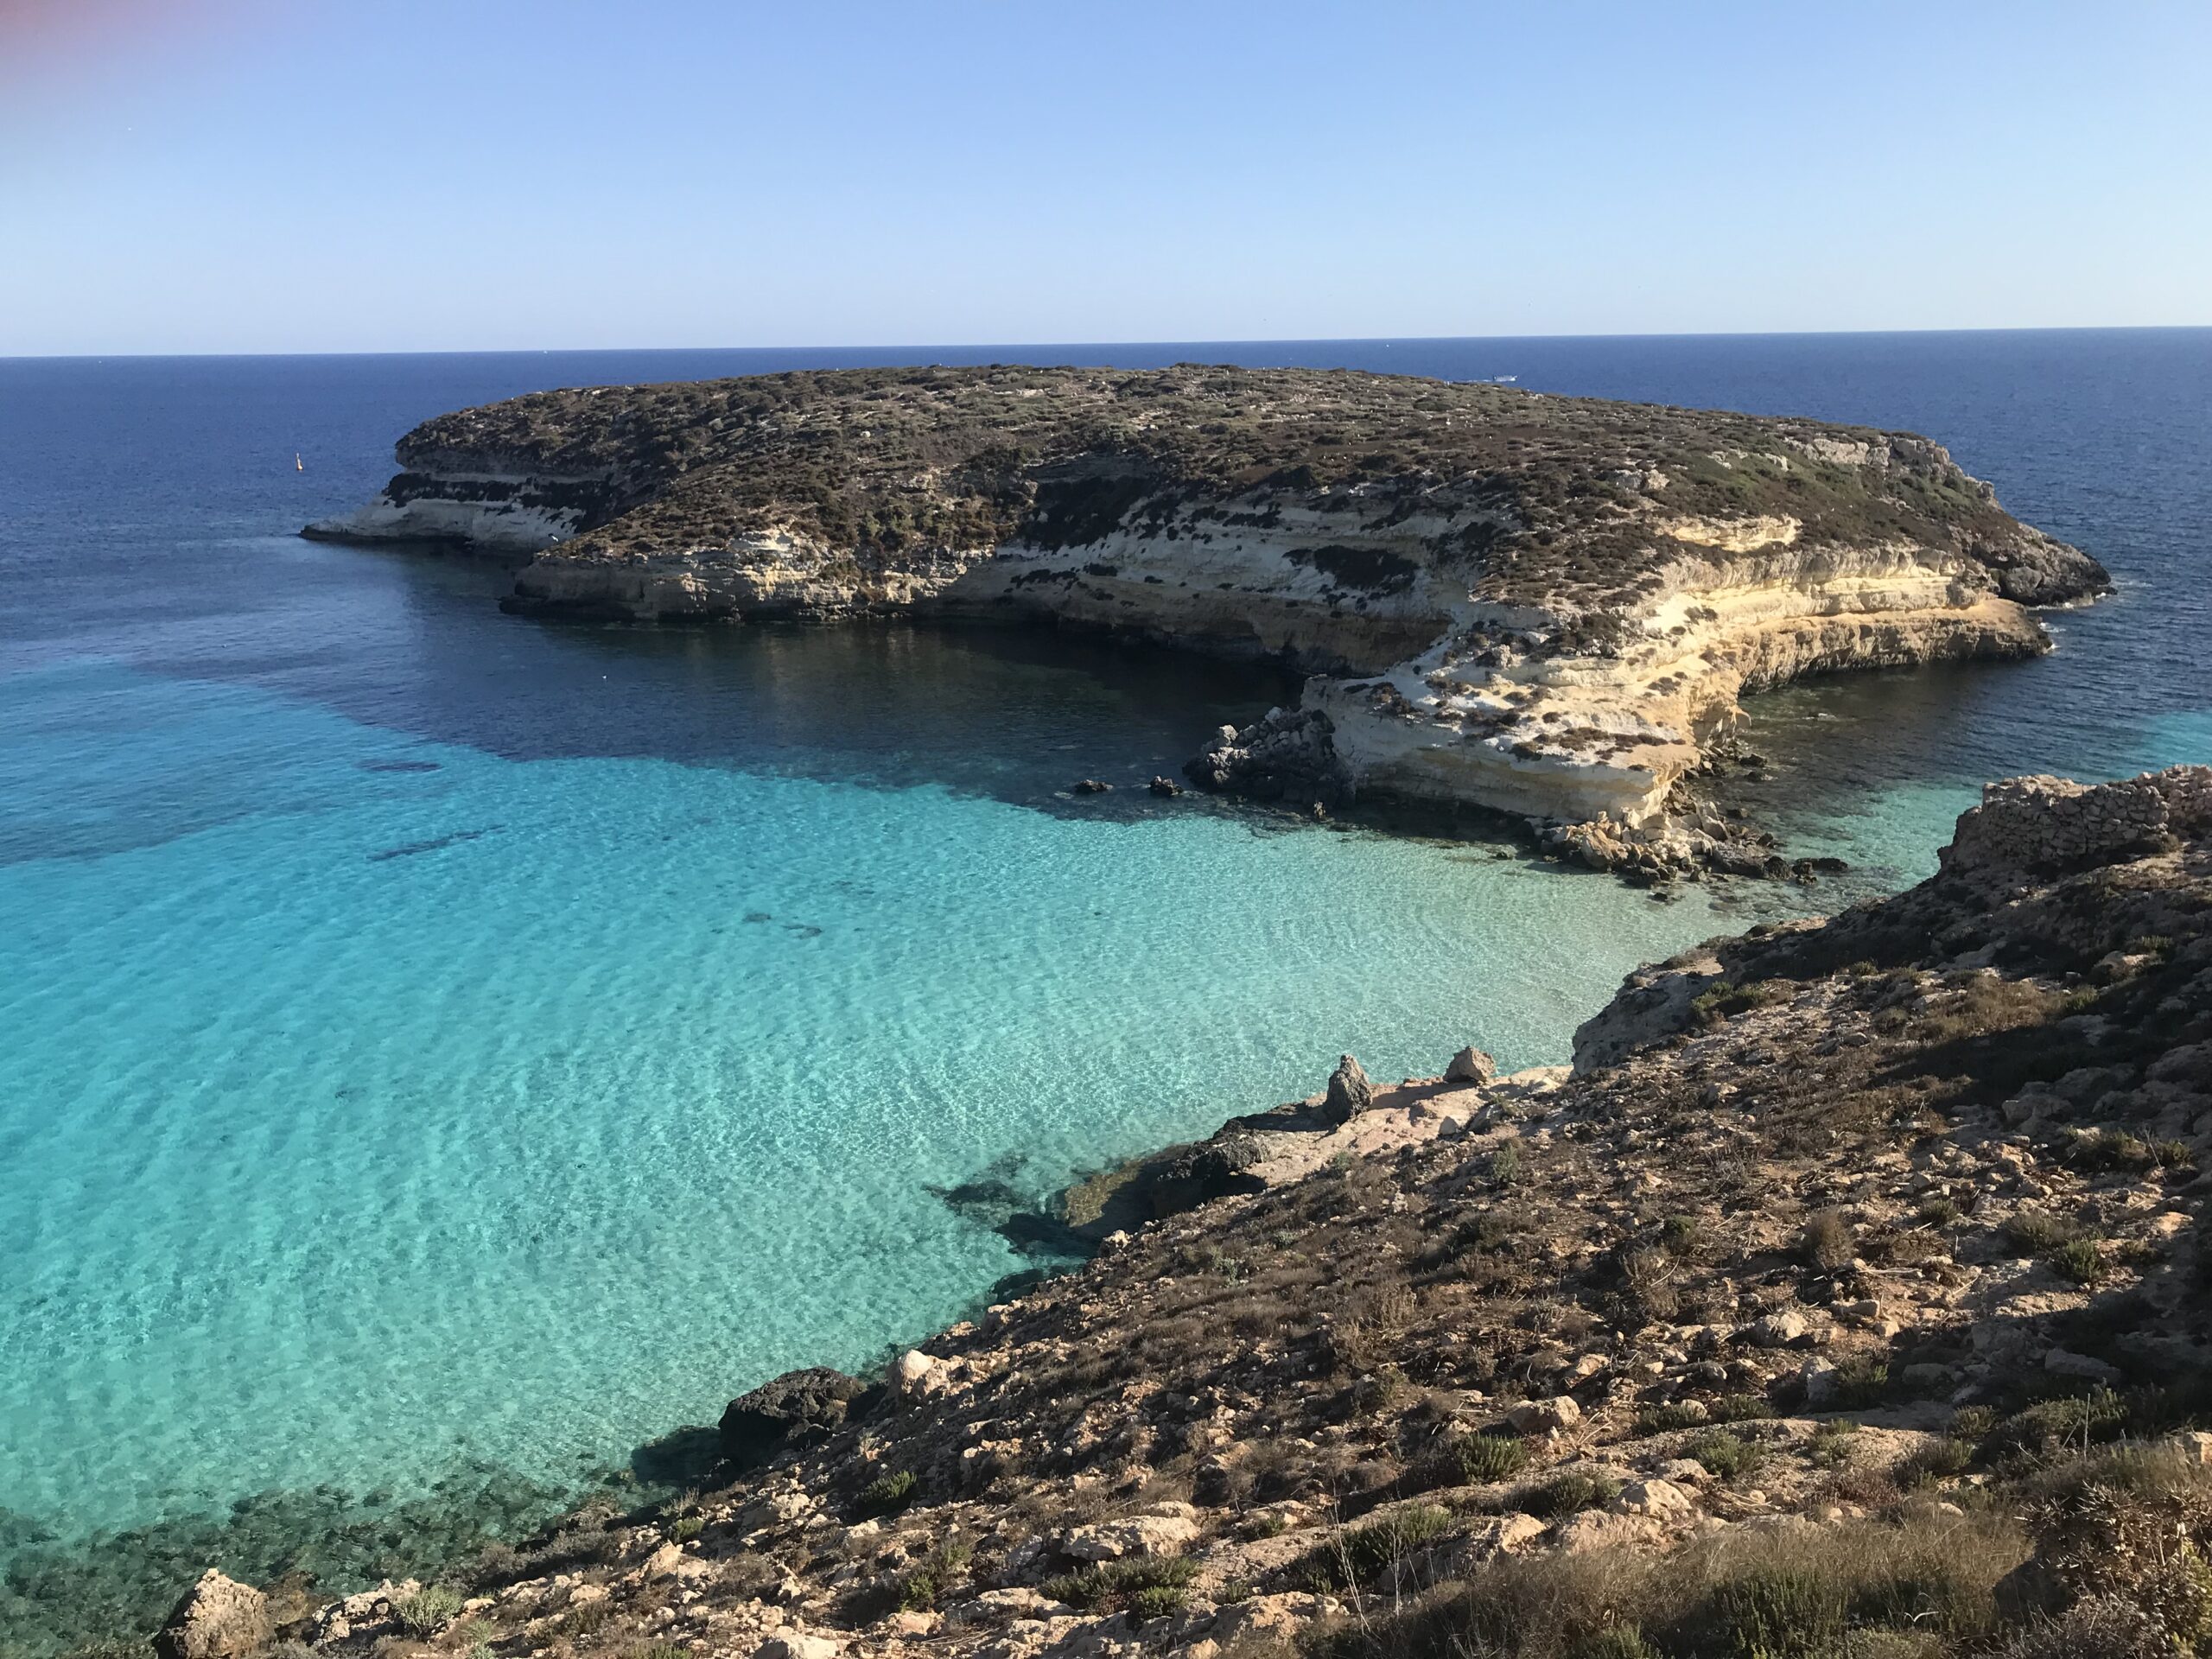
(1826, 1243)
(1568, 1493)
(1150, 1584)
(888, 1493)
(1478, 1459)
(1722, 999)
(1356, 1556)
(425, 1612)
(1727, 1456)
(2079, 1261)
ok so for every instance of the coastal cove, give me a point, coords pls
(451, 1047)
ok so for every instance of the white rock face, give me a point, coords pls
(1661, 1500)
(799, 1645)
(919, 1376)
(1164, 1533)
(1542, 1416)
(492, 527)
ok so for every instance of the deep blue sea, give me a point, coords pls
(440, 1053)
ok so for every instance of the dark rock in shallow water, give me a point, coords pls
(683, 1457)
(1213, 1169)
(1092, 787)
(791, 1409)
(1350, 1092)
(1166, 786)
(1288, 756)
(1036, 1234)
(1017, 1284)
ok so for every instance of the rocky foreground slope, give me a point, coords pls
(1848, 1296)
(1537, 605)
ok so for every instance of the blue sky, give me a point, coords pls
(185, 176)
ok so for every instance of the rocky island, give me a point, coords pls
(1540, 606)
(1848, 1296)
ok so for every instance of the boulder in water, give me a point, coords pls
(795, 1408)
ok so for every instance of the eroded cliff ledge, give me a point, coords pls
(1538, 604)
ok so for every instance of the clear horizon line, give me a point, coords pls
(1115, 345)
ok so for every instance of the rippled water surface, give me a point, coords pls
(440, 1052)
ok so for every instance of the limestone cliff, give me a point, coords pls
(1538, 604)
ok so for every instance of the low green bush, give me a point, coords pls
(1861, 1382)
(425, 1612)
(1566, 1493)
(888, 1493)
(1722, 1001)
(1615, 1642)
(2032, 1232)
(1680, 1235)
(934, 1578)
(1482, 1458)
(1663, 1420)
(1741, 1408)
(1940, 1459)
(1149, 1585)
(1725, 1456)
(2080, 1262)
(1830, 1446)
(1779, 1612)
(2078, 1420)
(1356, 1556)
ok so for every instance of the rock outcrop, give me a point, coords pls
(218, 1618)
(1852, 1296)
(788, 1411)
(1540, 606)
(1349, 1094)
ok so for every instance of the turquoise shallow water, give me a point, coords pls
(521, 1110)
(440, 1053)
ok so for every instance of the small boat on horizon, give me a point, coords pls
(298, 465)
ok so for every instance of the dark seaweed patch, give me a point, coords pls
(411, 848)
(992, 1200)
